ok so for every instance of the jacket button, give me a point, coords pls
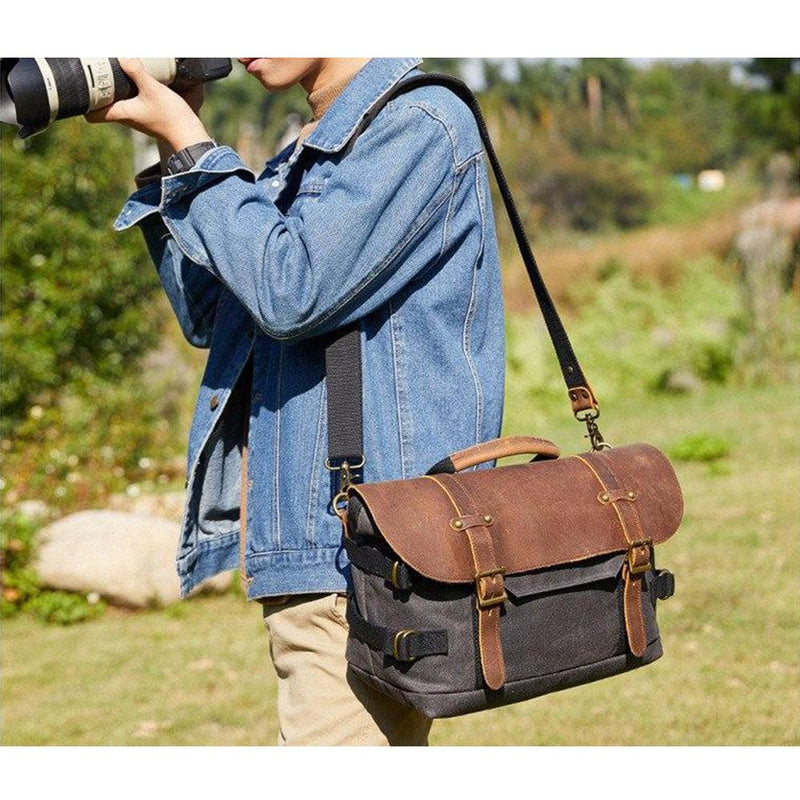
(214, 402)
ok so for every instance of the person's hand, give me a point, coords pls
(156, 110)
(194, 96)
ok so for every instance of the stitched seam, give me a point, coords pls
(314, 477)
(447, 492)
(426, 109)
(621, 484)
(198, 258)
(465, 341)
(447, 218)
(276, 495)
(176, 268)
(445, 231)
(430, 111)
(401, 435)
(421, 223)
(204, 441)
(613, 505)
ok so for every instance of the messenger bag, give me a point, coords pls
(479, 588)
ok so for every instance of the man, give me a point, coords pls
(391, 229)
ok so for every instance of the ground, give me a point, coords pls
(199, 673)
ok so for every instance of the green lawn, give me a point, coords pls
(199, 673)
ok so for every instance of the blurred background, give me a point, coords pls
(662, 202)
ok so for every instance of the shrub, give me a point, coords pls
(20, 585)
(63, 608)
(701, 447)
(76, 295)
(592, 194)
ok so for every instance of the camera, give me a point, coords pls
(36, 91)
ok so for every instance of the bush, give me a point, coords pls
(635, 335)
(76, 295)
(592, 194)
(63, 608)
(699, 447)
(20, 585)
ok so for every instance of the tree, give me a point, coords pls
(76, 295)
(768, 118)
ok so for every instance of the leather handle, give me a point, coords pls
(495, 448)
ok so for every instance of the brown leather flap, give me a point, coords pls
(539, 514)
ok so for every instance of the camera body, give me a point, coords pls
(36, 91)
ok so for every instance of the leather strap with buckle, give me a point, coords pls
(489, 584)
(489, 587)
(622, 500)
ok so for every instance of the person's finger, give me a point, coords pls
(120, 111)
(134, 69)
(99, 115)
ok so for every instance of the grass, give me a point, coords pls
(199, 673)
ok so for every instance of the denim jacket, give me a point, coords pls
(394, 231)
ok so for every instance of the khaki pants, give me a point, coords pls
(319, 701)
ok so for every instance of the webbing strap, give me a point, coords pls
(345, 413)
(405, 644)
(343, 355)
(376, 563)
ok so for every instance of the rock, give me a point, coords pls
(129, 559)
(167, 505)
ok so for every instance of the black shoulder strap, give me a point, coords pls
(343, 355)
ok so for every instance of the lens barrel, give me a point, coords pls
(36, 91)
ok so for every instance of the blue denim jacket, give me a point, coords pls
(395, 232)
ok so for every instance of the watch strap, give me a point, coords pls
(185, 159)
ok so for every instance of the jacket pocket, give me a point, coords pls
(219, 469)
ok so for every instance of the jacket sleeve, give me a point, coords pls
(339, 254)
(193, 291)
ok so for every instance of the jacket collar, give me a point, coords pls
(340, 121)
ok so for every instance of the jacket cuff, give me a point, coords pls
(140, 204)
(152, 174)
(211, 166)
(162, 196)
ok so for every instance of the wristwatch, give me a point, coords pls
(185, 159)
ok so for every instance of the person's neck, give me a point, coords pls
(324, 84)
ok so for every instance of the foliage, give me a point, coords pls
(606, 192)
(633, 332)
(683, 119)
(21, 590)
(19, 582)
(79, 417)
(63, 608)
(702, 447)
(76, 296)
(768, 119)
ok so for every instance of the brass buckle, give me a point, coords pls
(488, 602)
(399, 638)
(632, 568)
(394, 579)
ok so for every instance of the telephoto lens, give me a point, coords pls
(36, 91)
